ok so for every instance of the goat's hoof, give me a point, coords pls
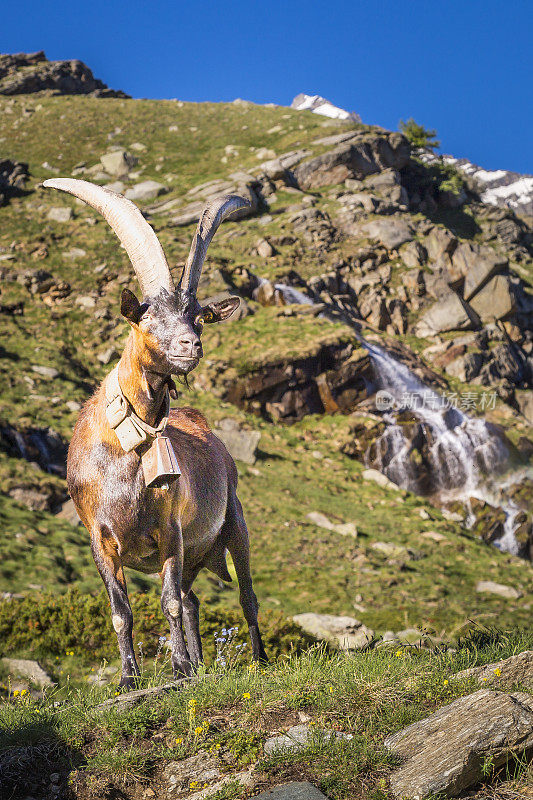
(184, 670)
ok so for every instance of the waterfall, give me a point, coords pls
(461, 455)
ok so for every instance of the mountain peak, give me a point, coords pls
(319, 105)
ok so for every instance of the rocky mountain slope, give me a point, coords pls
(27, 73)
(498, 187)
(343, 221)
(360, 268)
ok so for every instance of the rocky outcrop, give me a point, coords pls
(26, 73)
(446, 751)
(13, 177)
(514, 671)
(346, 633)
(361, 155)
(333, 379)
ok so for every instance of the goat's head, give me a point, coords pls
(168, 321)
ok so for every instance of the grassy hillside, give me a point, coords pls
(215, 730)
(297, 565)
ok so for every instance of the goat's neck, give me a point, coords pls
(145, 390)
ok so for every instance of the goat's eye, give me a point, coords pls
(199, 321)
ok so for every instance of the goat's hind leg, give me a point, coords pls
(236, 537)
(191, 623)
(107, 560)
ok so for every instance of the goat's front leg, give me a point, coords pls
(171, 602)
(107, 560)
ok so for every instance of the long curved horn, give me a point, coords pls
(135, 234)
(213, 214)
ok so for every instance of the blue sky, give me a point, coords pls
(463, 67)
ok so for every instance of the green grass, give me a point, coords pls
(229, 714)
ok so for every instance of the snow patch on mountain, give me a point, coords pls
(499, 187)
(319, 105)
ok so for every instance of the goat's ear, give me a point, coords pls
(130, 308)
(221, 309)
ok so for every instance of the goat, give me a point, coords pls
(122, 473)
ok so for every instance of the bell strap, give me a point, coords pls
(114, 391)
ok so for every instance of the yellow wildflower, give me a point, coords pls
(398, 653)
(179, 740)
(446, 682)
(331, 689)
(497, 672)
(16, 693)
(193, 784)
(246, 696)
(198, 731)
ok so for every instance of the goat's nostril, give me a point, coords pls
(191, 343)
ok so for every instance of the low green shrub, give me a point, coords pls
(48, 624)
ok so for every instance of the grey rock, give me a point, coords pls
(445, 752)
(118, 163)
(514, 671)
(74, 253)
(347, 633)
(344, 528)
(85, 301)
(495, 300)
(241, 444)
(26, 668)
(438, 242)
(490, 587)
(60, 214)
(264, 248)
(413, 254)
(73, 405)
(146, 190)
(49, 373)
(32, 498)
(449, 314)
(107, 355)
(466, 367)
(378, 477)
(361, 155)
(524, 401)
(116, 186)
(132, 698)
(477, 264)
(298, 738)
(298, 790)
(391, 232)
(69, 513)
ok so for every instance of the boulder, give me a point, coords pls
(438, 242)
(264, 248)
(466, 367)
(390, 232)
(514, 671)
(449, 314)
(413, 254)
(48, 373)
(36, 499)
(60, 214)
(346, 633)
(25, 73)
(146, 190)
(524, 401)
(241, 444)
(361, 155)
(477, 265)
(25, 668)
(446, 751)
(495, 300)
(378, 477)
(118, 163)
(490, 587)
(344, 528)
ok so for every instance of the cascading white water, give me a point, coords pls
(463, 454)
